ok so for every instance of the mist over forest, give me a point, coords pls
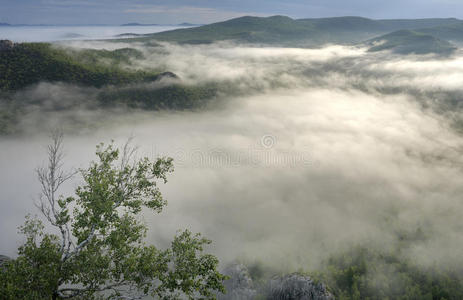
(286, 158)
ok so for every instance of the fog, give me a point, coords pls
(311, 151)
(65, 33)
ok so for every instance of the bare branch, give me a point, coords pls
(67, 293)
(51, 177)
(127, 153)
(84, 243)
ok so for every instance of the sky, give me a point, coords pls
(112, 12)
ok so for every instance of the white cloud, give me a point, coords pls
(381, 163)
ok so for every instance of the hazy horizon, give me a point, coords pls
(66, 33)
(206, 11)
(152, 24)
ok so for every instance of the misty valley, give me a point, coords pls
(321, 157)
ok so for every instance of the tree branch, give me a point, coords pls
(76, 291)
(51, 177)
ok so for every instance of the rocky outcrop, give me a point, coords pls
(6, 45)
(240, 285)
(296, 287)
(167, 75)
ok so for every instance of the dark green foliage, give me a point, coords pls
(35, 267)
(29, 63)
(100, 252)
(111, 59)
(179, 97)
(363, 273)
(14, 106)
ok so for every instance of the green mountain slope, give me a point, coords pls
(29, 63)
(413, 24)
(283, 30)
(276, 30)
(245, 29)
(98, 73)
(411, 42)
(452, 32)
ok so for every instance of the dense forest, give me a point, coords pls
(30, 63)
(105, 74)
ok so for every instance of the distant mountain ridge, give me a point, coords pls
(285, 31)
(139, 24)
(450, 32)
(142, 24)
(411, 24)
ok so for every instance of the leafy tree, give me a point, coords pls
(98, 251)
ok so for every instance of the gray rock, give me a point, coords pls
(289, 287)
(6, 45)
(169, 75)
(297, 287)
(240, 285)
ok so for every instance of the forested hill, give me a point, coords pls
(101, 76)
(25, 64)
(411, 42)
(283, 30)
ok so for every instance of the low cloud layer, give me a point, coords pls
(22, 34)
(314, 151)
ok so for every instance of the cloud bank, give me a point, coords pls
(311, 152)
